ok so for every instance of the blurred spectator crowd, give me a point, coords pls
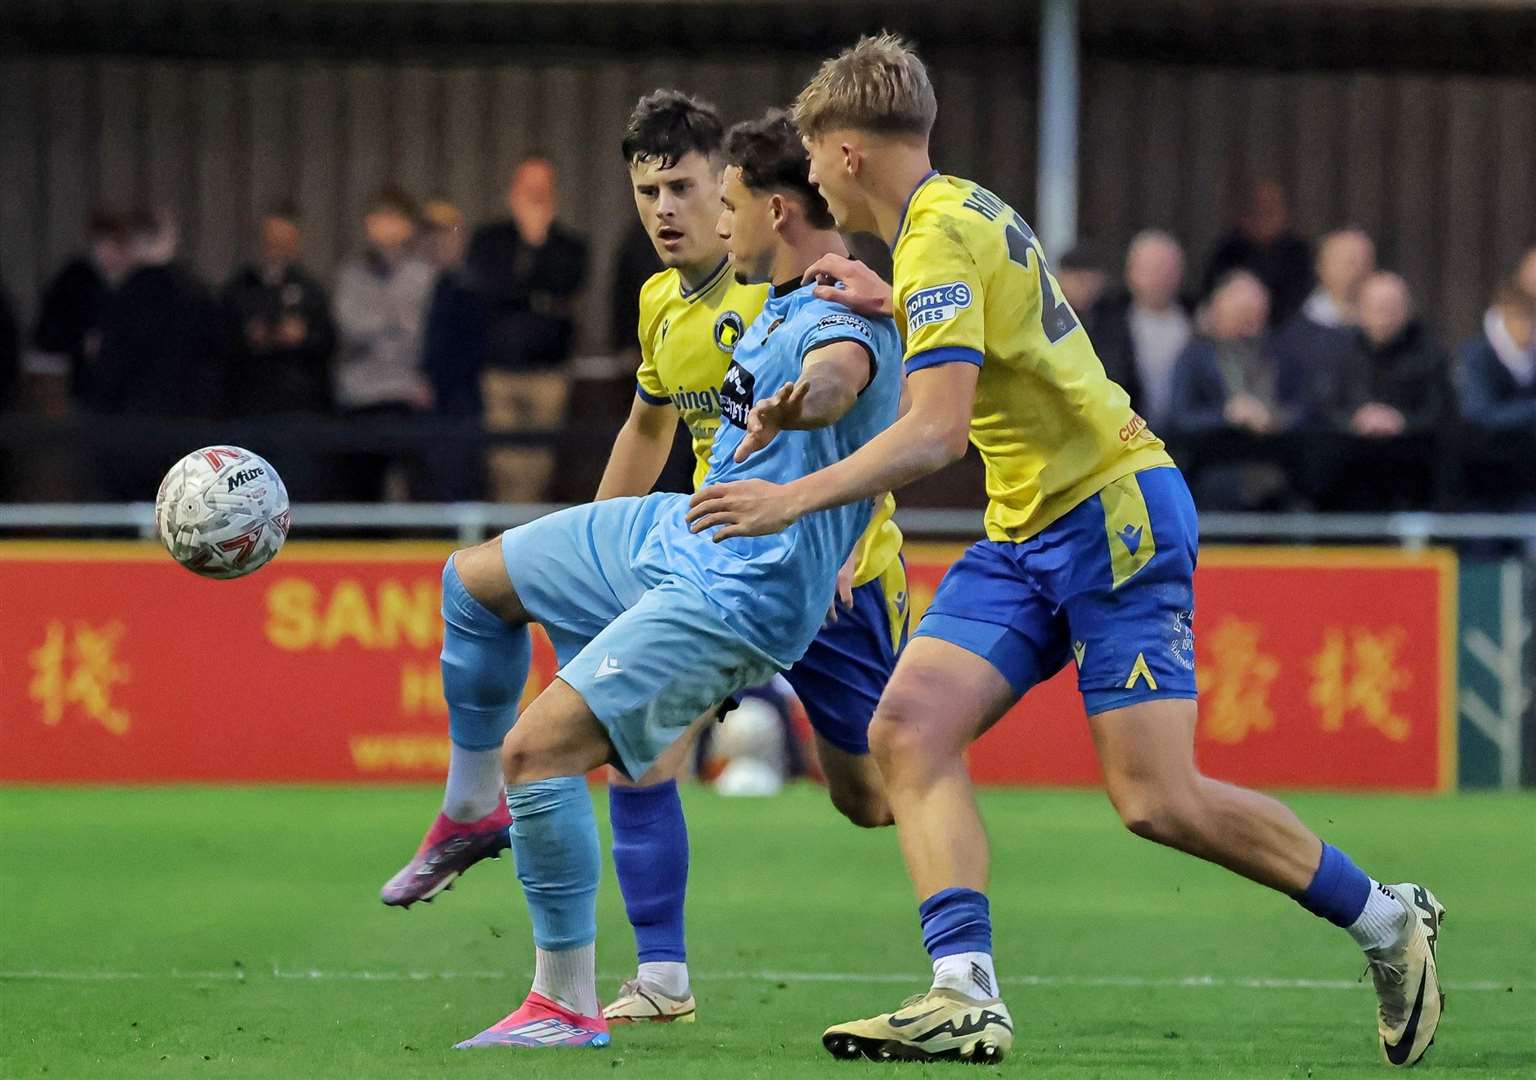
(424, 330)
(1294, 375)
(1305, 376)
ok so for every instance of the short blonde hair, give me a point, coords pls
(878, 85)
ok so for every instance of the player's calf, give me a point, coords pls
(854, 785)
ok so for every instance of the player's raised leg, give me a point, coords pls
(473, 822)
(940, 698)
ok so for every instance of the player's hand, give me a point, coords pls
(742, 508)
(863, 290)
(844, 596)
(770, 416)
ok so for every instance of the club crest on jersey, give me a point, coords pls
(728, 330)
(937, 304)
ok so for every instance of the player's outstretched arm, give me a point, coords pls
(640, 451)
(931, 435)
(830, 380)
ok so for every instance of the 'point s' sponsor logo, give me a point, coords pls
(937, 304)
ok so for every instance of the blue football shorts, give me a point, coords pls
(840, 678)
(647, 651)
(1110, 584)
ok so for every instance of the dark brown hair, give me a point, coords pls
(771, 157)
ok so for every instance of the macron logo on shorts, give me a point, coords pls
(608, 667)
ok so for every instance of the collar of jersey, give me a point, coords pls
(785, 288)
(709, 283)
(905, 210)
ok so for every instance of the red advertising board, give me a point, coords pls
(1317, 668)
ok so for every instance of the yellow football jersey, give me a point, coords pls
(971, 285)
(686, 341)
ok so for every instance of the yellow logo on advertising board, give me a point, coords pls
(78, 666)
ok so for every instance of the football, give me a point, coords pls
(222, 512)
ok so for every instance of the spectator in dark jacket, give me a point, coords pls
(529, 268)
(1141, 334)
(1320, 336)
(162, 356)
(162, 350)
(1264, 245)
(1394, 381)
(1230, 393)
(1497, 369)
(455, 347)
(1228, 379)
(280, 319)
(67, 337)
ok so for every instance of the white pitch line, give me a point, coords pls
(1134, 982)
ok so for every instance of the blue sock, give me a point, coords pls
(554, 840)
(485, 665)
(956, 921)
(1339, 889)
(650, 856)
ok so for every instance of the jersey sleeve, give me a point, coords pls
(648, 382)
(839, 324)
(939, 291)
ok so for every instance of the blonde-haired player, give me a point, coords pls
(1089, 556)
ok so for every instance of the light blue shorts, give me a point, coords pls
(647, 651)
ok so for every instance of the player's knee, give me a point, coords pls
(906, 734)
(1162, 813)
(517, 759)
(484, 573)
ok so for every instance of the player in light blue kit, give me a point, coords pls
(653, 624)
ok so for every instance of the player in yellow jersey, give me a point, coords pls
(692, 314)
(1089, 556)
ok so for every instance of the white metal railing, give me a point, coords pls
(472, 521)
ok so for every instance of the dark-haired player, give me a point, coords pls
(692, 315)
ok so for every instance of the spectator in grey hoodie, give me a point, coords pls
(381, 301)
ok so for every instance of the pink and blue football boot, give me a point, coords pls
(539, 1022)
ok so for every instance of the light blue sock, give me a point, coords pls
(554, 840)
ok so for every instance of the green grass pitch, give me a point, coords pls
(237, 933)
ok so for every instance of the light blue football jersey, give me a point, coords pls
(775, 590)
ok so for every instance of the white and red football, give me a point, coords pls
(222, 512)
